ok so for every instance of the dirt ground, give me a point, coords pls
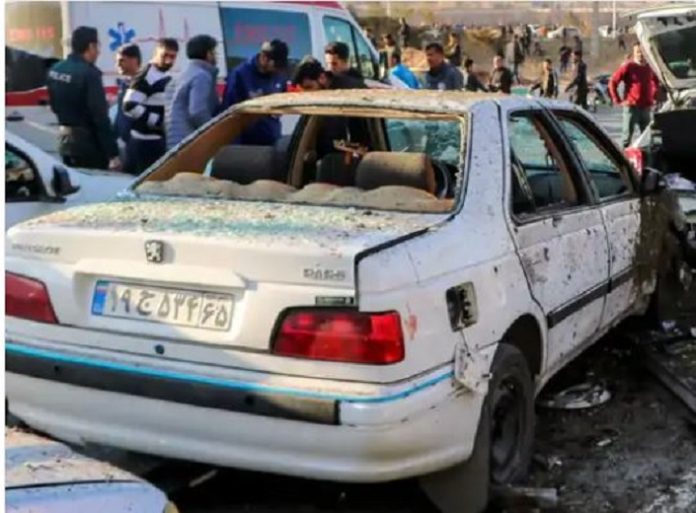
(625, 456)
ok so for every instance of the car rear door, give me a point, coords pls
(616, 188)
(559, 233)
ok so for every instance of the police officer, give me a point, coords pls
(77, 97)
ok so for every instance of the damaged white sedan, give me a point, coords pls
(351, 304)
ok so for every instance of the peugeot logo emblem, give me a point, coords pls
(154, 251)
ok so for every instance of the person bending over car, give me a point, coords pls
(311, 76)
(261, 75)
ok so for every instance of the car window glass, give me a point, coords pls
(337, 30)
(21, 182)
(366, 62)
(606, 176)
(538, 168)
(441, 140)
(244, 30)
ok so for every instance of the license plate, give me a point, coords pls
(166, 306)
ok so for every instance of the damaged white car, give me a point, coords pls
(408, 272)
(668, 38)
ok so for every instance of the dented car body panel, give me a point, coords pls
(495, 260)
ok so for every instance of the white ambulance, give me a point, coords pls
(43, 29)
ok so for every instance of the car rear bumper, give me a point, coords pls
(428, 429)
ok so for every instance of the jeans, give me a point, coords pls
(142, 153)
(633, 116)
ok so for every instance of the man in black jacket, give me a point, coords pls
(579, 82)
(311, 76)
(337, 58)
(76, 95)
(472, 82)
(501, 77)
(548, 85)
(144, 104)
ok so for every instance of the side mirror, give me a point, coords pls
(62, 186)
(652, 182)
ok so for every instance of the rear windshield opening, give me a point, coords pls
(395, 162)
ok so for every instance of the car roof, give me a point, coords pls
(424, 101)
(663, 10)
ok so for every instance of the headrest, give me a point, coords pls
(334, 169)
(380, 168)
(245, 164)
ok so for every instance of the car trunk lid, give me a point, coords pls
(249, 261)
(667, 36)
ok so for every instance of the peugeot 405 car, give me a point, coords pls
(361, 302)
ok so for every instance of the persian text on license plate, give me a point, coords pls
(167, 306)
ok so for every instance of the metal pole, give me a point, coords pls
(594, 42)
(613, 19)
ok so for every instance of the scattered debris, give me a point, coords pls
(577, 397)
(547, 463)
(674, 364)
(517, 497)
(604, 442)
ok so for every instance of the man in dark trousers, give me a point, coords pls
(564, 53)
(579, 83)
(501, 77)
(472, 82)
(514, 56)
(640, 90)
(548, 85)
(128, 62)
(261, 75)
(76, 95)
(404, 33)
(144, 105)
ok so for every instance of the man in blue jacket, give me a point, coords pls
(261, 75)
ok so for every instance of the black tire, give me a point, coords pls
(510, 410)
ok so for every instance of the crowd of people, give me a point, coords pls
(156, 112)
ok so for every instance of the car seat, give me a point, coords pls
(379, 169)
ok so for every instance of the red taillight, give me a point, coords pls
(341, 336)
(635, 157)
(28, 299)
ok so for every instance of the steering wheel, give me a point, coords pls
(443, 180)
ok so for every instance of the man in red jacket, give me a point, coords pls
(640, 88)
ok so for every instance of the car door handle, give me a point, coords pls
(556, 220)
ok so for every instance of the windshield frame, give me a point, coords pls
(233, 121)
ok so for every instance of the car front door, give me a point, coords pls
(614, 184)
(559, 233)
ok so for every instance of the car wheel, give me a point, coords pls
(511, 416)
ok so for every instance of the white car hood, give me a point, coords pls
(658, 22)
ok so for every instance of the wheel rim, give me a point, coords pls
(507, 424)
